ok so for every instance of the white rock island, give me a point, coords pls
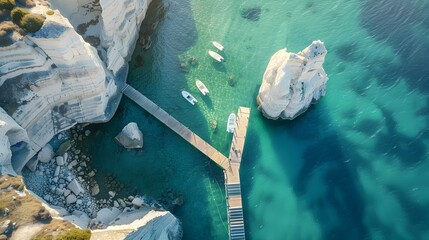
(293, 81)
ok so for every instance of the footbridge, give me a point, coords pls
(230, 165)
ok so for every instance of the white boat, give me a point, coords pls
(203, 89)
(189, 97)
(218, 45)
(216, 56)
(231, 123)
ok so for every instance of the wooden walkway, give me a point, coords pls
(176, 126)
(232, 177)
(230, 165)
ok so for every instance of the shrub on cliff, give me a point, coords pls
(27, 3)
(7, 29)
(7, 4)
(75, 234)
(17, 14)
(32, 22)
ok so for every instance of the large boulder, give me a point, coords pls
(46, 154)
(130, 136)
(75, 187)
(292, 82)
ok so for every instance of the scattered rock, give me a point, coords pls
(57, 171)
(130, 136)
(95, 189)
(87, 132)
(66, 192)
(64, 147)
(91, 174)
(137, 202)
(75, 187)
(72, 163)
(46, 154)
(112, 194)
(60, 160)
(71, 199)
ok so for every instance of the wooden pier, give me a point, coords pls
(232, 177)
(230, 165)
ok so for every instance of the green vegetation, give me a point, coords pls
(26, 3)
(32, 22)
(50, 12)
(75, 234)
(17, 14)
(7, 4)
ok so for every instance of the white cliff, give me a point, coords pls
(11, 136)
(141, 224)
(51, 80)
(121, 24)
(292, 82)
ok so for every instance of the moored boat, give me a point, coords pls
(203, 89)
(216, 56)
(189, 97)
(231, 123)
(218, 45)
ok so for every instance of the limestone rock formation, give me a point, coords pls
(13, 139)
(130, 136)
(292, 82)
(142, 224)
(53, 79)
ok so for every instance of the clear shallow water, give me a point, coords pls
(355, 166)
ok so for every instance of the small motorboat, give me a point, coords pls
(231, 123)
(218, 46)
(189, 97)
(216, 56)
(203, 89)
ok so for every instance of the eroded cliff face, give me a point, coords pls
(121, 24)
(51, 80)
(292, 82)
(12, 136)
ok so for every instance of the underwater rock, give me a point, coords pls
(130, 136)
(252, 14)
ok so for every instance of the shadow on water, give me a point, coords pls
(219, 66)
(408, 150)
(247, 172)
(208, 101)
(323, 165)
(396, 23)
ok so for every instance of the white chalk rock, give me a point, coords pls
(66, 192)
(95, 189)
(292, 82)
(79, 218)
(130, 136)
(106, 215)
(46, 154)
(75, 187)
(71, 199)
(57, 171)
(60, 160)
(138, 202)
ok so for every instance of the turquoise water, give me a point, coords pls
(354, 166)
